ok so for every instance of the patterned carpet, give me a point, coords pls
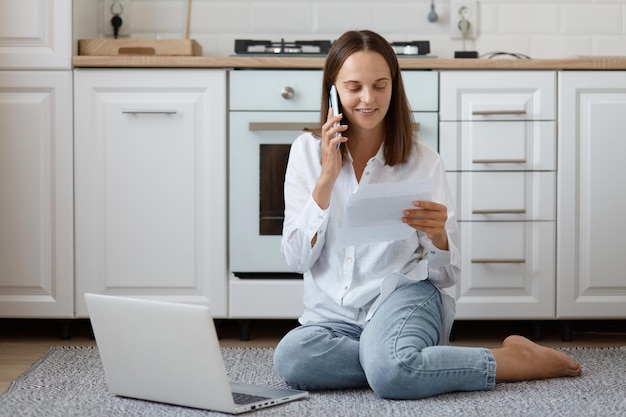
(69, 381)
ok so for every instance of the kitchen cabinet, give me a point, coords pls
(150, 185)
(36, 34)
(498, 142)
(36, 206)
(591, 198)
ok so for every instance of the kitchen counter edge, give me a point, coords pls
(150, 61)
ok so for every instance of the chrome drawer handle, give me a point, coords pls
(148, 111)
(287, 93)
(281, 126)
(498, 261)
(497, 112)
(499, 161)
(503, 211)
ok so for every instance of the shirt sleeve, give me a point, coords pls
(304, 219)
(444, 267)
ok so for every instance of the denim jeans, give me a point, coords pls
(396, 354)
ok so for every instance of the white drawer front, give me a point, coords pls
(262, 90)
(498, 146)
(500, 196)
(422, 89)
(498, 95)
(508, 270)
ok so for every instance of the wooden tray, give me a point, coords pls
(156, 47)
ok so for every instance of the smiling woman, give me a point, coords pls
(375, 314)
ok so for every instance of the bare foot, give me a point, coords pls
(520, 359)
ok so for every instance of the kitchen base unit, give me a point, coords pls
(150, 185)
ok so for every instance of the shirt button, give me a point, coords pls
(348, 259)
(345, 288)
(367, 173)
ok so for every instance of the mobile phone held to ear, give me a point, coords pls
(333, 103)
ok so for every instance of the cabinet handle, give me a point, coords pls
(281, 126)
(499, 261)
(499, 161)
(503, 211)
(497, 112)
(148, 111)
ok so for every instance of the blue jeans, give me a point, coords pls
(396, 354)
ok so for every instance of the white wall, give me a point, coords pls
(539, 28)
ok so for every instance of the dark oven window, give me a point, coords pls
(273, 165)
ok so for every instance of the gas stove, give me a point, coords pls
(317, 48)
(252, 47)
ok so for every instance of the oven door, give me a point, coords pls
(258, 153)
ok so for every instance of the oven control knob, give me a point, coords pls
(287, 93)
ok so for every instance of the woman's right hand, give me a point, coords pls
(331, 158)
(331, 155)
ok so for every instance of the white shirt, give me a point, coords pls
(348, 284)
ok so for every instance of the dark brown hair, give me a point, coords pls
(399, 119)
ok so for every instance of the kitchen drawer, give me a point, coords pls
(508, 268)
(498, 146)
(498, 95)
(262, 90)
(422, 89)
(505, 195)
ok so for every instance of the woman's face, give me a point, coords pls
(364, 87)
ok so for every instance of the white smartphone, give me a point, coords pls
(333, 103)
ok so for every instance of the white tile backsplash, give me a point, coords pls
(539, 28)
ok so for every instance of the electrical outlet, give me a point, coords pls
(111, 8)
(463, 19)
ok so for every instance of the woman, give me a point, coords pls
(375, 314)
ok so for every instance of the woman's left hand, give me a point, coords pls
(430, 218)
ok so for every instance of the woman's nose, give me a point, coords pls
(366, 95)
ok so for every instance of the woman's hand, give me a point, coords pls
(430, 218)
(331, 159)
(330, 144)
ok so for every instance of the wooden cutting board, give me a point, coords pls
(156, 47)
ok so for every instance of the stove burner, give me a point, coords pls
(250, 46)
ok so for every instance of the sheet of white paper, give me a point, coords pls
(374, 212)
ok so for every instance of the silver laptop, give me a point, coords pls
(170, 353)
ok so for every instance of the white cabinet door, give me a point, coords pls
(36, 34)
(591, 198)
(151, 185)
(36, 223)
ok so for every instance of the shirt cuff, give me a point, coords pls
(313, 220)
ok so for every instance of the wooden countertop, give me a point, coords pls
(150, 61)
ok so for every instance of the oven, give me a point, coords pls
(268, 110)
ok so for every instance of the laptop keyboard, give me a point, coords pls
(241, 398)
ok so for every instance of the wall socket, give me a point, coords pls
(463, 19)
(112, 7)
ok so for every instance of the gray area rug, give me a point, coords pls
(69, 381)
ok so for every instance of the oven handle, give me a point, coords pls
(291, 126)
(281, 126)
